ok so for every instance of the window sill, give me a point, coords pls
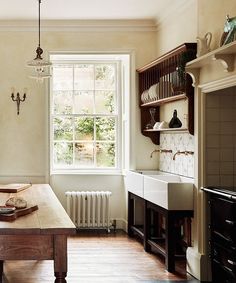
(86, 172)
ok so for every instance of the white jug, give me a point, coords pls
(203, 44)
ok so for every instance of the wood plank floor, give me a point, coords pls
(99, 257)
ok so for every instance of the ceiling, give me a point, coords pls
(87, 9)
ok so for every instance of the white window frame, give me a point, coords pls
(122, 99)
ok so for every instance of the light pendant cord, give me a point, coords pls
(39, 21)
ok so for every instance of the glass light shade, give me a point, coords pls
(39, 65)
(38, 62)
(40, 74)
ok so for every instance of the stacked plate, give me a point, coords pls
(145, 96)
(153, 92)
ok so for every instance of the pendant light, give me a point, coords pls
(39, 65)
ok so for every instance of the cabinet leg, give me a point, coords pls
(130, 214)
(1, 271)
(170, 243)
(147, 224)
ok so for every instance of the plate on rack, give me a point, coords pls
(153, 92)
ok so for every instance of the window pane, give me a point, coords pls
(62, 101)
(63, 78)
(62, 128)
(105, 129)
(105, 154)
(83, 102)
(84, 128)
(63, 154)
(104, 102)
(84, 77)
(84, 154)
(105, 77)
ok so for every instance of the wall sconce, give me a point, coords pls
(18, 100)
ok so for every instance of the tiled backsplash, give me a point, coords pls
(221, 138)
(183, 164)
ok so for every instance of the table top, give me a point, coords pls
(50, 218)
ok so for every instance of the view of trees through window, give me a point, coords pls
(84, 115)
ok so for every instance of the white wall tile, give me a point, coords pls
(183, 164)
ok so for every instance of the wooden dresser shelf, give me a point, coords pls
(165, 100)
(167, 74)
(167, 130)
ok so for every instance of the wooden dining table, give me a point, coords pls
(39, 235)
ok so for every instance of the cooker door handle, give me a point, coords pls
(231, 262)
(232, 223)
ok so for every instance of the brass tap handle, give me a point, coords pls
(186, 152)
(161, 151)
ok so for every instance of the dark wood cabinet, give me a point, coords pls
(167, 75)
(222, 233)
(159, 229)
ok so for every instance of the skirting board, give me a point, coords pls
(121, 224)
(198, 265)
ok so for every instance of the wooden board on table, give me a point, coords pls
(14, 188)
(17, 213)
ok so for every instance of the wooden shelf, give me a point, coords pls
(166, 71)
(165, 100)
(226, 54)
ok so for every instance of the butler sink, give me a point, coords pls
(135, 180)
(171, 192)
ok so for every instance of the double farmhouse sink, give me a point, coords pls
(169, 191)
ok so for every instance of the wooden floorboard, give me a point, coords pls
(99, 257)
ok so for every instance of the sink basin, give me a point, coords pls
(135, 179)
(171, 178)
(171, 192)
(150, 172)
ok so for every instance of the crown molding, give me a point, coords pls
(80, 25)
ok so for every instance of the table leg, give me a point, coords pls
(1, 270)
(60, 258)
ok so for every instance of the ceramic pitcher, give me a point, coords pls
(203, 44)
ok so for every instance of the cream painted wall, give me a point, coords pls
(24, 138)
(212, 16)
(178, 28)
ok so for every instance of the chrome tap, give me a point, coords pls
(161, 151)
(186, 152)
